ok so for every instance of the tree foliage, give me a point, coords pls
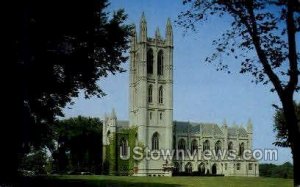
(35, 162)
(255, 25)
(269, 29)
(58, 49)
(66, 47)
(278, 171)
(78, 145)
(280, 127)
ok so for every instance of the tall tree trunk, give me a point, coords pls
(293, 135)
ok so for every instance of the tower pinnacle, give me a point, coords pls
(143, 28)
(157, 33)
(169, 33)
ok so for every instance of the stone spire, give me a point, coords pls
(249, 126)
(113, 114)
(157, 33)
(169, 33)
(143, 28)
(105, 117)
(225, 123)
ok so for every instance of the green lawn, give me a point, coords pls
(115, 181)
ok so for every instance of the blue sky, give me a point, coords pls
(201, 94)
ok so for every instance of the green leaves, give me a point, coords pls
(66, 47)
(280, 126)
(79, 144)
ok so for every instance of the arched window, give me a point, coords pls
(181, 144)
(160, 63)
(230, 146)
(194, 146)
(241, 150)
(136, 139)
(150, 61)
(150, 93)
(124, 146)
(107, 137)
(218, 146)
(206, 145)
(155, 141)
(174, 142)
(160, 94)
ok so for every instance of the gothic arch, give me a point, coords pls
(201, 168)
(214, 169)
(176, 168)
(206, 145)
(150, 61)
(136, 139)
(241, 149)
(189, 167)
(155, 141)
(194, 146)
(218, 147)
(107, 136)
(160, 62)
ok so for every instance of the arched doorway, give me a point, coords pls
(214, 169)
(176, 168)
(201, 168)
(188, 168)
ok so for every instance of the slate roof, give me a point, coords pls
(122, 125)
(197, 128)
(192, 128)
(237, 131)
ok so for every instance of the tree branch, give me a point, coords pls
(256, 41)
(291, 30)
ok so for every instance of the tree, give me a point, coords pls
(269, 29)
(271, 170)
(59, 48)
(36, 161)
(280, 127)
(79, 142)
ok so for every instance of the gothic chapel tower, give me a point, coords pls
(151, 94)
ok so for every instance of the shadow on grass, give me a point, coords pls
(56, 182)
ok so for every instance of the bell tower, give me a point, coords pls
(151, 94)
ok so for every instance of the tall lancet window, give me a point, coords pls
(241, 150)
(124, 146)
(150, 61)
(155, 141)
(150, 93)
(160, 95)
(160, 63)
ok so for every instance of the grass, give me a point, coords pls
(118, 181)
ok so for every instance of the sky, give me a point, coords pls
(201, 94)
